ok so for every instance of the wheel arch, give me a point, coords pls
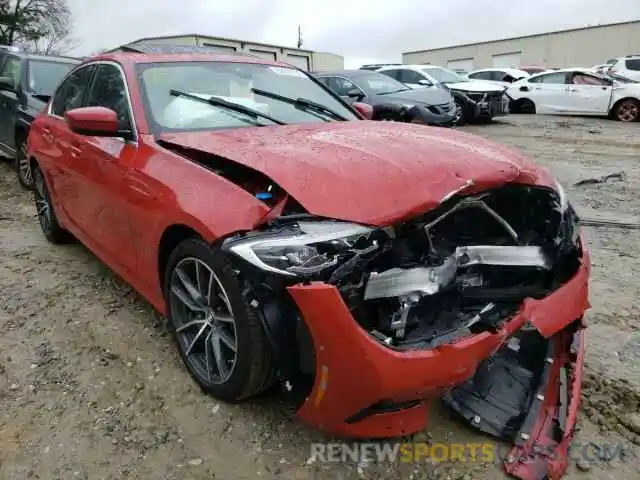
(172, 236)
(21, 131)
(618, 102)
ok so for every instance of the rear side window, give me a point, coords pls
(73, 91)
(557, 78)
(632, 64)
(483, 76)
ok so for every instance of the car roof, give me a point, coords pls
(43, 58)
(159, 53)
(511, 71)
(346, 73)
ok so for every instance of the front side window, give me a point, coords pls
(376, 83)
(443, 75)
(73, 91)
(340, 86)
(580, 78)
(557, 78)
(409, 76)
(243, 84)
(481, 76)
(45, 75)
(109, 91)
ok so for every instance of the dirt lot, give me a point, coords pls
(91, 388)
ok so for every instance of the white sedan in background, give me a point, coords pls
(577, 91)
(499, 76)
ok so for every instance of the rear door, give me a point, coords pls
(103, 166)
(58, 158)
(548, 91)
(589, 95)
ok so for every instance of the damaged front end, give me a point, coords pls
(481, 300)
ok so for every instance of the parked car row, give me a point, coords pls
(435, 95)
(26, 83)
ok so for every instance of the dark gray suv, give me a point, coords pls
(27, 82)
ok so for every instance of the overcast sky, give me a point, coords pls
(362, 31)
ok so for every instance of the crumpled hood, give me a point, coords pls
(476, 86)
(374, 173)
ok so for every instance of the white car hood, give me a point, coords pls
(476, 86)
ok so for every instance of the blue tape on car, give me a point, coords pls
(264, 196)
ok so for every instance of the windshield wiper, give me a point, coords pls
(301, 103)
(236, 107)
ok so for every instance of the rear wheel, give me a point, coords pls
(627, 110)
(46, 215)
(219, 335)
(23, 169)
(526, 106)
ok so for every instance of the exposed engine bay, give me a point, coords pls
(465, 267)
(462, 268)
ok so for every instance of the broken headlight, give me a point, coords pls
(304, 249)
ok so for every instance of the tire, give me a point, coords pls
(197, 333)
(23, 169)
(49, 224)
(627, 110)
(526, 106)
(461, 117)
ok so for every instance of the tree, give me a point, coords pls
(40, 25)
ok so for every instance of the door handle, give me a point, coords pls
(75, 151)
(569, 89)
(46, 133)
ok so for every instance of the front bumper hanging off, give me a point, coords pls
(364, 389)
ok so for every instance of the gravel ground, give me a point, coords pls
(91, 388)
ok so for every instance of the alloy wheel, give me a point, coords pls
(43, 203)
(203, 320)
(24, 169)
(628, 111)
(459, 112)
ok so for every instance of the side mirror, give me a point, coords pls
(7, 84)
(95, 121)
(355, 93)
(364, 109)
(425, 82)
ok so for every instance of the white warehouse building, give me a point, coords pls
(305, 59)
(585, 46)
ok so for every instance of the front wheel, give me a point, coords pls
(23, 169)
(219, 336)
(526, 106)
(627, 110)
(459, 117)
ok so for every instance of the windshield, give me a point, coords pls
(380, 84)
(45, 75)
(443, 75)
(232, 83)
